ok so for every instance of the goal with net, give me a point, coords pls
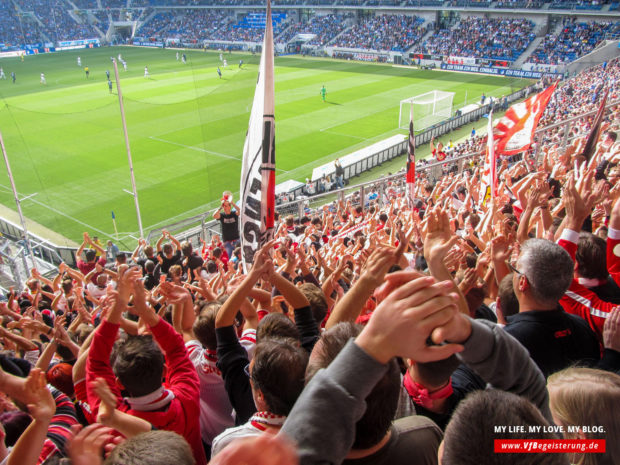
(428, 109)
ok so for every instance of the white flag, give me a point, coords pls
(258, 170)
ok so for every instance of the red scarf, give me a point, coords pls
(260, 420)
(420, 395)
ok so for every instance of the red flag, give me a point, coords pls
(411, 160)
(595, 132)
(515, 131)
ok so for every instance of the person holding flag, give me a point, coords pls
(513, 134)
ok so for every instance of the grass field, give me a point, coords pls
(186, 128)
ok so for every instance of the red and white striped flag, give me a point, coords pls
(514, 133)
(411, 160)
(258, 169)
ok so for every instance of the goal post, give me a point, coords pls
(428, 109)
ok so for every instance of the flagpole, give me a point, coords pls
(491, 149)
(411, 159)
(133, 179)
(17, 202)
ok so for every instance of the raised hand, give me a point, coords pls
(173, 293)
(107, 407)
(438, 240)
(378, 264)
(86, 447)
(41, 404)
(611, 330)
(402, 324)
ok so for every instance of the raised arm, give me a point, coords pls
(98, 361)
(400, 326)
(42, 408)
(94, 245)
(227, 313)
(136, 253)
(160, 241)
(373, 274)
(437, 243)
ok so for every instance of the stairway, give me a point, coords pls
(526, 54)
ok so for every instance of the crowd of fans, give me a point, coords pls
(157, 24)
(368, 331)
(58, 24)
(11, 31)
(574, 40)
(325, 27)
(207, 25)
(492, 38)
(383, 32)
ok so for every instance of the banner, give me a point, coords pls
(258, 169)
(496, 71)
(515, 131)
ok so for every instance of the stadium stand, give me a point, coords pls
(157, 25)
(496, 38)
(325, 27)
(383, 32)
(59, 25)
(11, 32)
(574, 40)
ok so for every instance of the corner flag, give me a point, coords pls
(258, 169)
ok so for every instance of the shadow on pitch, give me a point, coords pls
(333, 103)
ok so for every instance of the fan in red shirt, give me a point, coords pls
(437, 151)
(139, 368)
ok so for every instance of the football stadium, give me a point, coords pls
(309, 231)
(187, 127)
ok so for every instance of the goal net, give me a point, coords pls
(428, 109)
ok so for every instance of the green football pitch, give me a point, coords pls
(186, 128)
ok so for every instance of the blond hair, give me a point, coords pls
(586, 397)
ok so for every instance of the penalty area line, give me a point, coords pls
(58, 212)
(198, 149)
